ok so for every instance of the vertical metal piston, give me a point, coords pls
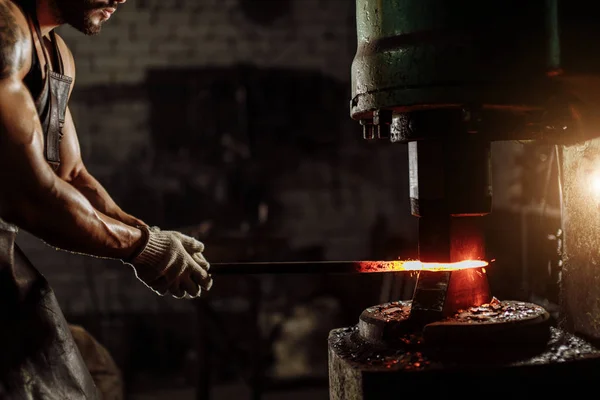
(450, 190)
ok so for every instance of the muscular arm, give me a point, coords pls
(33, 196)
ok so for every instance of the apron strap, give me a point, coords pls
(59, 60)
(57, 87)
(32, 11)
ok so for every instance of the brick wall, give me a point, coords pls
(316, 34)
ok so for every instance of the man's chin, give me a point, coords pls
(89, 29)
(92, 32)
(90, 25)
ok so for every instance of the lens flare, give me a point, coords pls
(595, 184)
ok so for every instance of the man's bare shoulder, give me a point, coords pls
(15, 42)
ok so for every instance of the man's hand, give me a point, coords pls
(172, 262)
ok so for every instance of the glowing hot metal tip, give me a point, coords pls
(415, 265)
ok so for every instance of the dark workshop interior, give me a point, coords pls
(297, 138)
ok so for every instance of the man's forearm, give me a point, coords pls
(99, 198)
(62, 217)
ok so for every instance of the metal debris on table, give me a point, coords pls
(393, 311)
(497, 312)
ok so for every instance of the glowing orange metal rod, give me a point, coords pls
(339, 267)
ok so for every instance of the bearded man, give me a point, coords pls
(47, 191)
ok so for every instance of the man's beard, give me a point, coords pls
(79, 14)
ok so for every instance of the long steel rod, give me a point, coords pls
(303, 267)
(338, 267)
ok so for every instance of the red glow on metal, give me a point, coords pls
(415, 265)
(555, 72)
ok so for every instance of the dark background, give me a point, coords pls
(229, 120)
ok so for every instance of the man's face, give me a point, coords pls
(86, 16)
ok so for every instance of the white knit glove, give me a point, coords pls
(172, 262)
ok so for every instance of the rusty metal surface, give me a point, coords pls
(413, 356)
(386, 324)
(498, 322)
(424, 52)
(415, 55)
(496, 312)
(495, 323)
(580, 282)
(358, 370)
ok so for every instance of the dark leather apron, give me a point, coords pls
(38, 356)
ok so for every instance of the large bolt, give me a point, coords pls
(368, 129)
(382, 119)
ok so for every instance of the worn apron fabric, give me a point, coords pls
(38, 356)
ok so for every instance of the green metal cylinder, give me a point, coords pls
(422, 54)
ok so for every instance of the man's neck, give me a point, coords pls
(46, 16)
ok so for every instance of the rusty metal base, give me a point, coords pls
(512, 323)
(361, 366)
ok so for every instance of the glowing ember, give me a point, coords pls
(415, 265)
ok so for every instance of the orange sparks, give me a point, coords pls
(415, 265)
